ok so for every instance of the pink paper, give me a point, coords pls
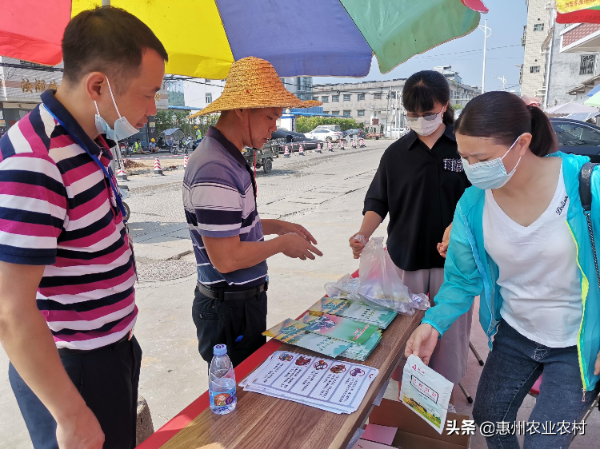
(380, 434)
(365, 444)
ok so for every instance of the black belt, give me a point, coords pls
(222, 294)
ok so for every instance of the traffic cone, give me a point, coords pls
(362, 143)
(301, 150)
(353, 143)
(286, 151)
(342, 144)
(319, 148)
(157, 168)
(121, 174)
(330, 146)
(185, 161)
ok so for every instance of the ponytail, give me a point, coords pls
(504, 117)
(543, 141)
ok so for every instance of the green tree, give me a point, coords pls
(457, 106)
(307, 124)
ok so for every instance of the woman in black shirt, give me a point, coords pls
(419, 182)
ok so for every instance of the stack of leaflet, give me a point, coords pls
(364, 342)
(355, 310)
(329, 385)
(336, 327)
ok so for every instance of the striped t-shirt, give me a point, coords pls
(219, 201)
(58, 210)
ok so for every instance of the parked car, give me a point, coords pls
(577, 137)
(359, 133)
(335, 128)
(293, 140)
(324, 135)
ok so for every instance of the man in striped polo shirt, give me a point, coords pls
(64, 248)
(219, 196)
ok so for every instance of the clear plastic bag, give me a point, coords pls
(378, 282)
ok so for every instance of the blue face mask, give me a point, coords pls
(122, 128)
(489, 174)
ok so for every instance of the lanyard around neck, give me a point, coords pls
(107, 173)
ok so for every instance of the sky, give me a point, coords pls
(506, 18)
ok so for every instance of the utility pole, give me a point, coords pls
(504, 80)
(485, 30)
(387, 112)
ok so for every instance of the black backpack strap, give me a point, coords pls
(585, 185)
(585, 193)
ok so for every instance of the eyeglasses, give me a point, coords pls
(429, 116)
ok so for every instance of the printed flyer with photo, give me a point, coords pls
(296, 333)
(330, 385)
(425, 392)
(340, 327)
(371, 314)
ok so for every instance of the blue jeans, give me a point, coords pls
(512, 367)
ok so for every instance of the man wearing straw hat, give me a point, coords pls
(219, 196)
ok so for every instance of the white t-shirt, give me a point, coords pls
(539, 276)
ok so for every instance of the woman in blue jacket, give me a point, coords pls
(520, 241)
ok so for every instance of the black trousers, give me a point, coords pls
(226, 321)
(107, 379)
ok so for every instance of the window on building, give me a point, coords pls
(316, 98)
(347, 113)
(538, 27)
(361, 97)
(347, 97)
(208, 98)
(325, 112)
(534, 69)
(587, 64)
(335, 98)
(30, 64)
(393, 94)
(377, 96)
(325, 99)
(335, 112)
(360, 112)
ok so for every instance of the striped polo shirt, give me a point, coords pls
(58, 209)
(219, 200)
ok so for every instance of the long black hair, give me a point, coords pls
(423, 89)
(503, 117)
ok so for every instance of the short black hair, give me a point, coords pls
(422, 89)
(109, 40)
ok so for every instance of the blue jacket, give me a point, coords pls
(470, 271)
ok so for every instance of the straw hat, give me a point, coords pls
(253, 83)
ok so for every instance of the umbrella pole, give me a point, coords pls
(105, 2)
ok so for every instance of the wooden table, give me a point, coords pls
(264, 422)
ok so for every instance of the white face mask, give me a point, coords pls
(490, 174)
(423, 126)
(122, 128)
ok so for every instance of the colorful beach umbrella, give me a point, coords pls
(299, 37)
(578, 11)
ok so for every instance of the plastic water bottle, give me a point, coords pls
(221, 382)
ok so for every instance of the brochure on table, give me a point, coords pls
(330, 385)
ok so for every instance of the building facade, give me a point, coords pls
(21, 84)
(533, 72)
(197, 92)
(301, 86)
(379, 103)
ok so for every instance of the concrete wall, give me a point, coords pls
(564, 72)
(533, 83)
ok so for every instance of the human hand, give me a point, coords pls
(422, 342)
(81, 431)
(292, 228)
(298, 247)
(597, 365)
(443, 246)
(357, 243)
